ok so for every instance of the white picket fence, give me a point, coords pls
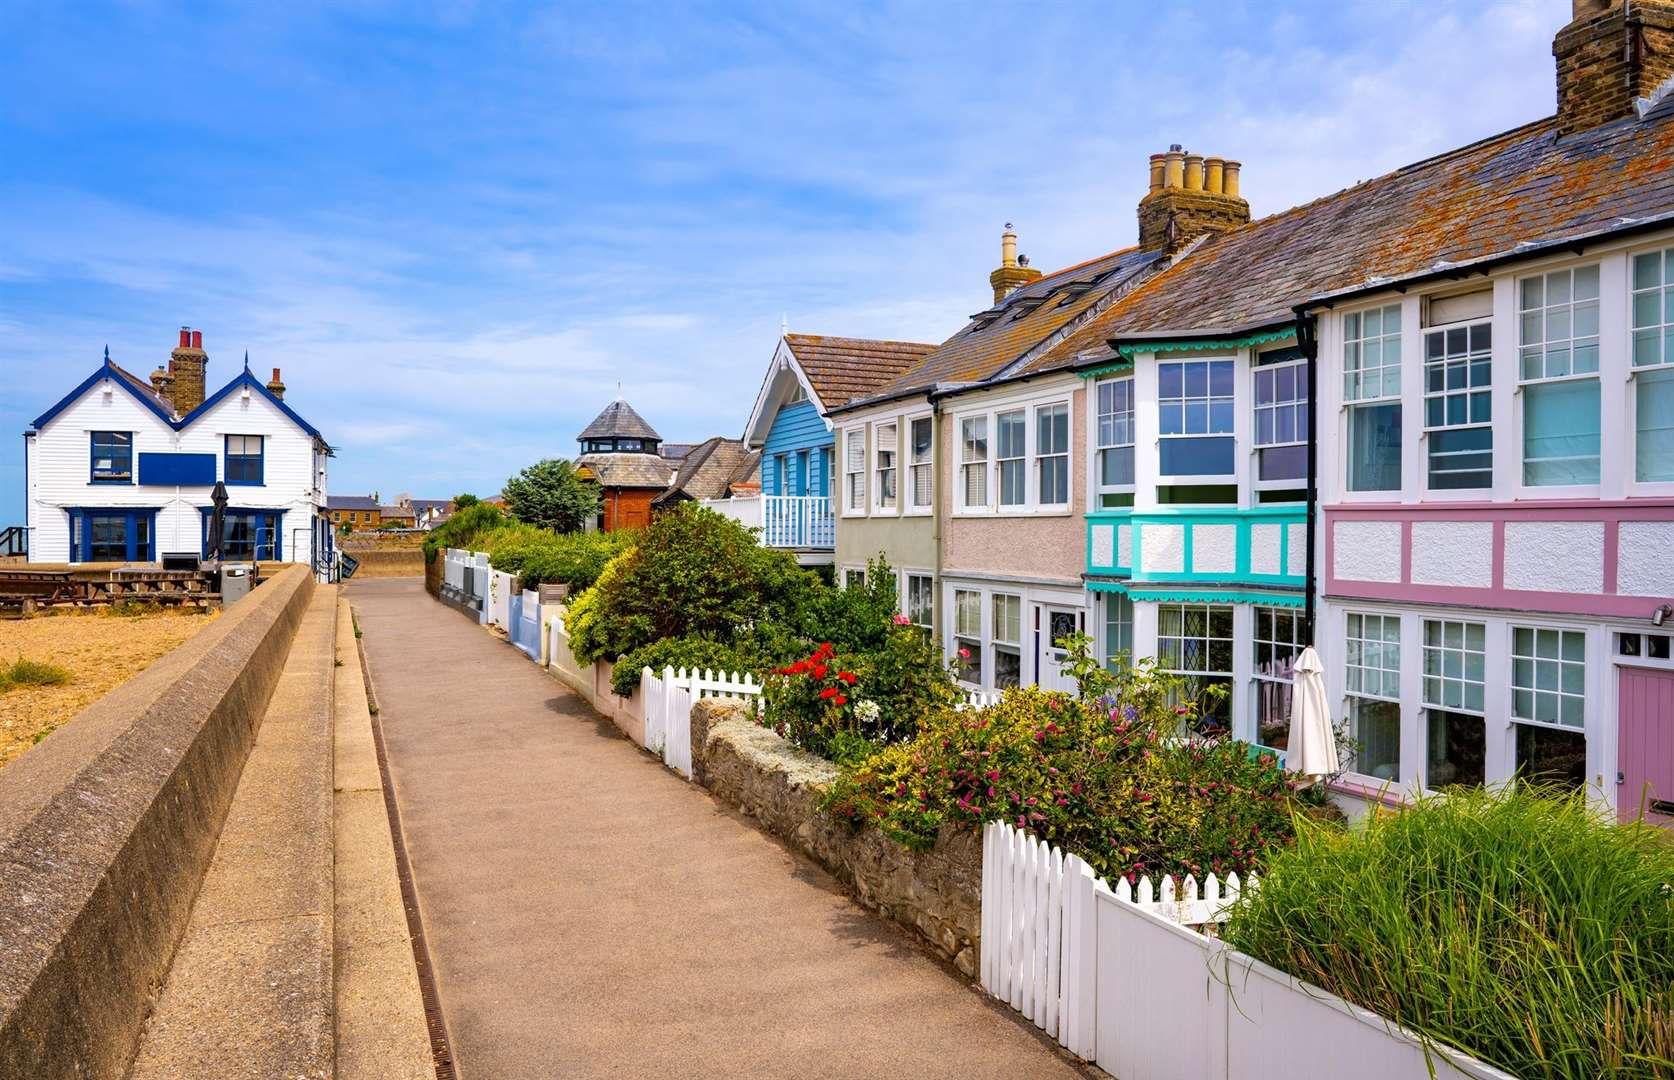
(668, 708)
(1118, 977)
(980, 699)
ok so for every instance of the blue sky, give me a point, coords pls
(457, 226)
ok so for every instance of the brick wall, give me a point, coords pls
(1605, 60)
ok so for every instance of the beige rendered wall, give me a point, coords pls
(1044, 546)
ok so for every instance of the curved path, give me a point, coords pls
(591, 914)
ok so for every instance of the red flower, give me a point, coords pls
(840, 699)
(819, 671)
(846, 676)
(829, 692)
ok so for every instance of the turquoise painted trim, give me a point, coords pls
(1202, 344)
(1215, 596)
(1107, 587)
(1190, 518)
(1124, 366)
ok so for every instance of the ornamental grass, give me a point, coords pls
(1523, 929)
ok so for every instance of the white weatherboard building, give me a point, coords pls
(121, 470)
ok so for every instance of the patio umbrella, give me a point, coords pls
(216, 535)
(1312, 750)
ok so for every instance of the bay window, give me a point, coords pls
(886, 442)
(1008, 640)
(973, 460)
(1118, 630)
(1052, 444)
(1281, 416)
(1115, 443)
(1548, 703)
(1457, 411)
(1278, 642)
(1653, 366)
(920, 462)
(118, 535)
(1194, 641)
(1558, 362)
(1010, 451)
(1372, 666)
(1455, 663)
(1194, 418)
(854, 470)
(1372, 395)
(967, 635)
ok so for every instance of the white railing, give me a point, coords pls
(799, 521)
(746, 511)
(1119, 978)
(668, 708)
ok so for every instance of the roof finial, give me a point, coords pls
(246, 359)
(107, 354)
(784, 325)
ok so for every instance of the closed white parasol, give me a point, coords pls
(1312, 750)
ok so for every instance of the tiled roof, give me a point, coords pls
(996, 338)
(429, 504)
(627, 469)
(618, 419)
(351, 502)
(143, 386)
(1521, 188)
(709, 469)
(395, 512)
(845, 368)
(674, 451)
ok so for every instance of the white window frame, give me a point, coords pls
(1257, 677)
(1536, 693)
(914, 464)
(1426, 430)
(989, 415)
(845, 571)
(1298, 403)
(961, 635)
(904, 596)
(1114, 441)
(886, 439)
(1229, 477)
(970, 463)
(995, 644)
(1203, 671)
(1019, 418)
(1042, 457)
(1382, 670)
(1631, 443)
(854, 502)
(1426, 705)
(1348, 402)
(1544, 274)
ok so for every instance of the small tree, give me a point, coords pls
(460, 502)
(551, 495)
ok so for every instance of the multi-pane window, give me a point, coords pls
(1457, 410)
(1653, 366)
(854, 577)
(244, 459)
(1115, 442)
(107, 537)
(1118, 630)
(1281, 416)
(1052, 444)
(250, 536)
(887, 446)
(1278, 642)
(967, 634)
(113, 457)
(1455, 665)
(1008, 640)
(1558, 363)
(1194, 418)
(1372, 391)
(1548, 703)
(973, 460)
(921, 600)
(854, 470)
(1195, 642)
(1010, 451)
(1372, 664)
(920, 462)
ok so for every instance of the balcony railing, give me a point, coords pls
(1263, 545)
(787, 521)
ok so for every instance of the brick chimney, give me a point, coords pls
(1015, 271)
(1611, 52)
(186, 369)
(1189, 196)
(162, 383)
(276, 386)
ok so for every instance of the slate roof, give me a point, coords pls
(351, 502)
(627, 470)
(842, 369)
(619, 419)
(997, 338)
(710, 470)
(143, 386)
(1501, 196)
(675, 451)
(429, 504)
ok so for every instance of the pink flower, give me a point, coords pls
(964, 653)
(902, 620)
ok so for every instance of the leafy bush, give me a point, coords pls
(462, 529)
(552, 495)
(573, 559)
(686, 652)
(1523, 928)
(25, 672)
(1107, 778)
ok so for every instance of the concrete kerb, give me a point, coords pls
(106, 830)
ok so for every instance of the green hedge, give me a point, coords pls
(686, 652)
(573, 559)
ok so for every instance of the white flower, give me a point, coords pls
(867, 711)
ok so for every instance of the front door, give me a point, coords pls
(1645, 750)
(1052, 625)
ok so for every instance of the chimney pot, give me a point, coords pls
(1194, 172)
(1229, 181)
(1008, 247)
(1174, 167)
(185, 337)
(1157, 161)
(1213, 175)
(197, 339)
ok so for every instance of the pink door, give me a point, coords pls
(1645, 753)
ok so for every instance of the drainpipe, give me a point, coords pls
(936, 513)
(1309, 344)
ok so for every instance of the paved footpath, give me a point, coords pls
(590, 914)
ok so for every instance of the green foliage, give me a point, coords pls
(684, 652)
(1523, 928)
(1109, 779)
(460, 502)
(573, 559)
(550, 494)
(24, 672)
(462, 529)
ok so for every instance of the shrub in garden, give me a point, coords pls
(462, 528)
(1109, 779)
(574, 559)
(1523, 928)
(552, 495)
(685, 652)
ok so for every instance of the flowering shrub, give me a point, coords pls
(1109, 779)
(813, 701)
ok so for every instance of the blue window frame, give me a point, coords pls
(251, 535)
(245, 460)
(112, 458)
(1194, 418)
(119, 534)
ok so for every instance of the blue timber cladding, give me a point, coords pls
(796, 428)
(177, 470)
